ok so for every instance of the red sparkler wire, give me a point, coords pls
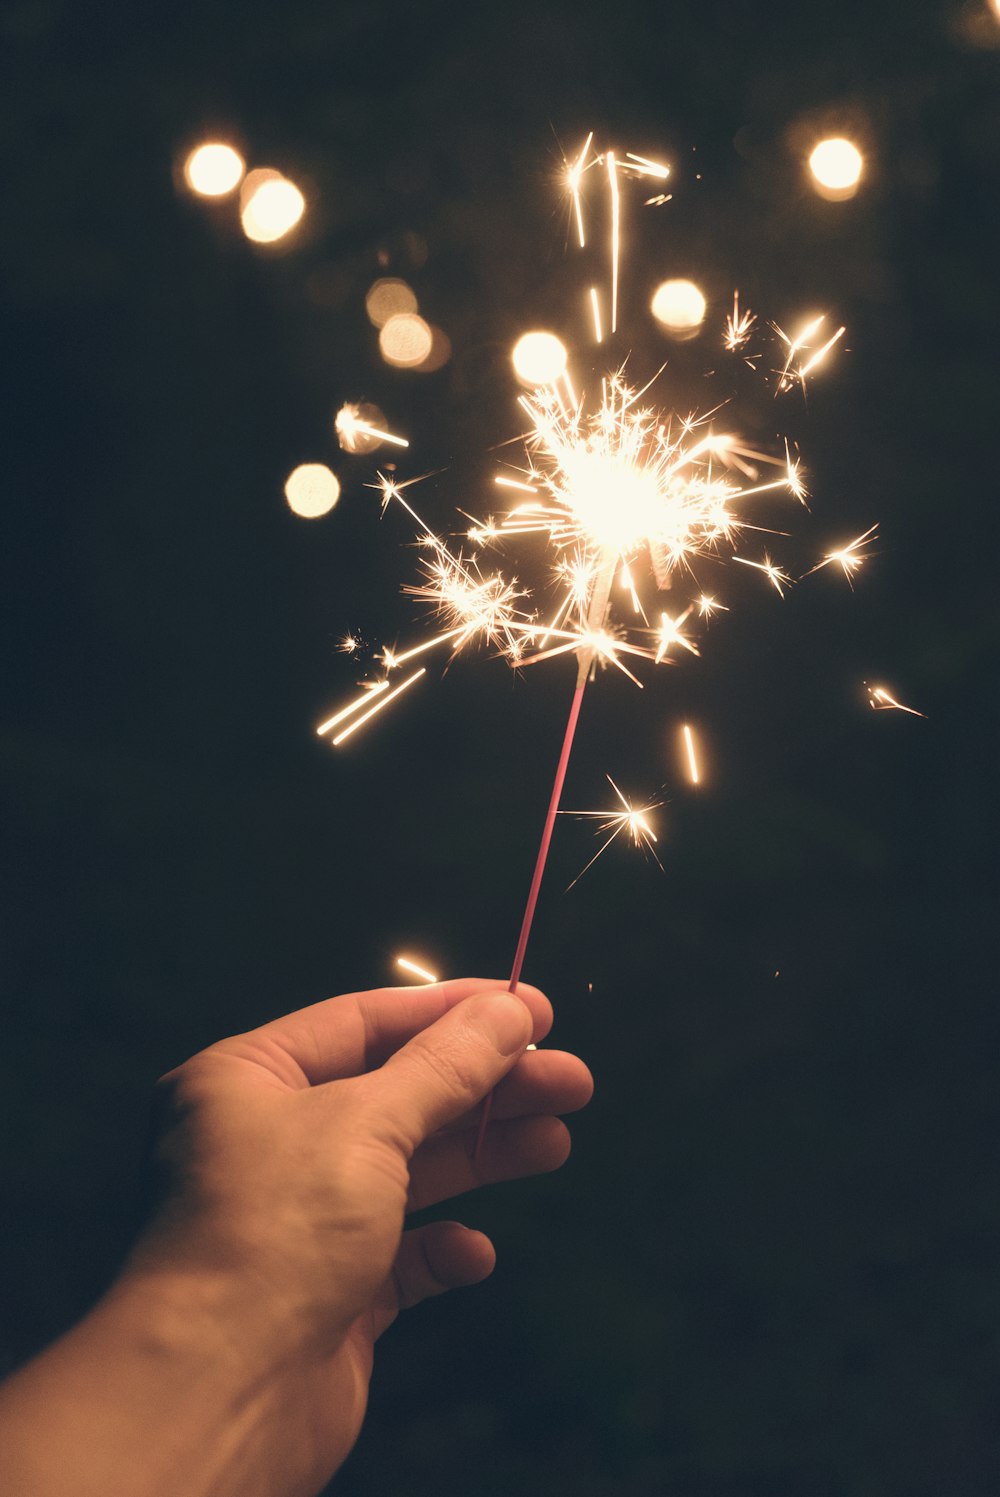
(536, 880)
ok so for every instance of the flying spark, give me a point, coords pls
(692, 757)
(630, 819)
(882, 701)
(849, 558)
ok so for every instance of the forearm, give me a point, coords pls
(166, 1389)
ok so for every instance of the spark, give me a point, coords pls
(406, 965)
(658, 200)
(369, 689)
(707, 605)
(739, 326)
(799, 343)
(384, 698)
(514, 483)
(692, 757)
(643, 167)
(574, 174)
(774, 574)
(630, 819)
(671, 633)
(882, 701)
(349, 426)
(849, 558)
(349, 644)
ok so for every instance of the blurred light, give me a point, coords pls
(836, 165)
(312, 490)
(389, 297)
(213, 169)
(996, 8)
(539, 358)
(679, 306)
(440, 352)
(405, 341)
(270, 206)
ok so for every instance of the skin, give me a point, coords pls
(233, 1354)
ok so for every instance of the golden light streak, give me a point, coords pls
(369, 690)
(643, 167)
(800, 342)
(514, 483)
(630, 819)
(406, 965)
(882, 700)
(383, 701)
(692, 757)
(615, 236)
(574, 174)
(595, 307)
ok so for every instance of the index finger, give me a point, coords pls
(357, 1032)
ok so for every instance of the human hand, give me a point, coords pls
(292, 1155)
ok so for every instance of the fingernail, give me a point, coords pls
(506, 1019)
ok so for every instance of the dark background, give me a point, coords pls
(771, 1266)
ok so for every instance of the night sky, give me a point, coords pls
(772, 1266)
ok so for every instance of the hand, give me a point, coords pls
(292, 1155)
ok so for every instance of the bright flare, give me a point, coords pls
(312, 490)
(836, 166)
(359, 429)
(213, 170)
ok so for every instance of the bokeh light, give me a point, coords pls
(539, 358)
(405, 341)
(214, 169)
(440, 352)
(679, 307)
(389, 297)
(270, 206)
(836, 165)
(312, 490)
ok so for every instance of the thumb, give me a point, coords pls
(450, 1066)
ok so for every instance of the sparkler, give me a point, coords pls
(620, 495)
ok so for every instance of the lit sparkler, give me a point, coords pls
(621, 496)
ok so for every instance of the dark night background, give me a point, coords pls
(771, 1267)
